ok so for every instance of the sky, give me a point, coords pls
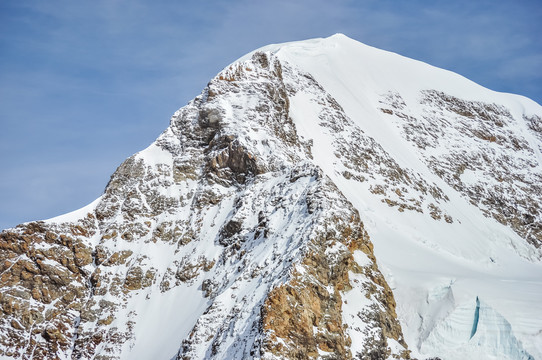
(86, 84)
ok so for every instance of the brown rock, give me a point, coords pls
(134, 278)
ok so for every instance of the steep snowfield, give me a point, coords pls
(475, 256)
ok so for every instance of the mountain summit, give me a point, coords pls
(319, 199)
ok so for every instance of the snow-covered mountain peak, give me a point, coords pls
(352, 62)
(319, 199)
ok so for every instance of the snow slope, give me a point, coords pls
(475, 256)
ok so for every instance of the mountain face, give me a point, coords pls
(319, 199)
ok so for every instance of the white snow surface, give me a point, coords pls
(473, 257)
(438, 271)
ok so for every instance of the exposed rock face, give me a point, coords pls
(90, 270)
(507, 191)
(300, 315)
(44, 287)
(303, 319)
(230, 237)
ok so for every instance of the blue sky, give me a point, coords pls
(85, 84)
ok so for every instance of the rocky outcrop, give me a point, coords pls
(303, 318)
(44, 282)
(69, 286)
(497, 152)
